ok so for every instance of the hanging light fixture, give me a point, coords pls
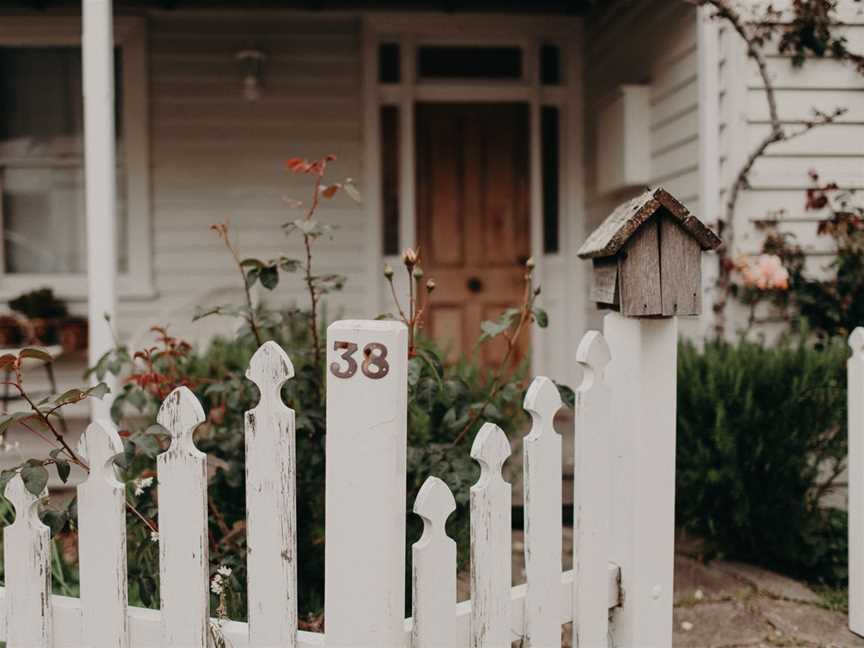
(251, 61)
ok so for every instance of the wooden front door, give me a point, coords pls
(472, 217)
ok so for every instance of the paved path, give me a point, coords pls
(731, 605)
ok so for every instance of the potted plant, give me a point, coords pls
(42, 312)
(73, 333)
(11, 332)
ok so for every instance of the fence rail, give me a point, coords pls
(365, 525)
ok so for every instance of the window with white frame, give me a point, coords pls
(42, 211)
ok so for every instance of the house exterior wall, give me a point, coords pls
(654, 43)
(216, 156)
(778, 180)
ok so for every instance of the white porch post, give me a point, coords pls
(97, 45)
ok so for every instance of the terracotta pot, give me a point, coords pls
(42, 330)
(11, 334)
(73, 334)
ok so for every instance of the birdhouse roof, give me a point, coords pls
(622, 223)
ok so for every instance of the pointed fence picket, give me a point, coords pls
(367, 377)
(490, 542)
(591, 499)
(434, 565)
(543, 485)
(855, 413)
(183, 551)
(270, 504)
(26, 556)
(102, 540)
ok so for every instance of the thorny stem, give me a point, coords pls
(222, 231)
(58, 437)
(725, 226)
(512, 341)
(309, 278)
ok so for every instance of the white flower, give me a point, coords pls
(216, 584)
(154, 537)
(224, 570)
(698, 595)
(686, 626)
(142, 484)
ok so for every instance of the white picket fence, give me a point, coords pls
(620, 588)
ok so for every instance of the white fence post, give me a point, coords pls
(184, 568)
(271, 511)
(642, 377)
(592, 485)
(855, 406)
(434, 565)
(102, 540)
(365, 502)
(26, 553)
(491, 566)
(543, 513)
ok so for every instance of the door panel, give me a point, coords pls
(473, 216)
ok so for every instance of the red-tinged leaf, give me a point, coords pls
(329, 191)
(7, 360)
(36, 354)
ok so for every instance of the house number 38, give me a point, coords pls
(374, 364)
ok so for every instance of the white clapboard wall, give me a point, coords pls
(366, 519)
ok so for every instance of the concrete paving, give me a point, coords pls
(730, 605)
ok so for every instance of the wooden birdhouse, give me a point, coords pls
(647, 258)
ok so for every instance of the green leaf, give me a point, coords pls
(492, 329)
(289, 265)
(98, 391)
(5, 476)
(352, 191)
(269, 277)
(251, 263)
(54, 520)
(541, 317)
(568, 396)
(63, 469)
(69, 396)
(148, 445)
(35, 477)
(36, 354)
(9, 419)
(252, 276)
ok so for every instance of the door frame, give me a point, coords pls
(528, 33)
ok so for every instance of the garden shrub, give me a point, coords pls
(761, 438)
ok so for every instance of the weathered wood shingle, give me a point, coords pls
(622, 223)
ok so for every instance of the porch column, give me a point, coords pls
(97, 45)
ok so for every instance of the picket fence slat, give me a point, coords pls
(491, 577)
(365, 498)
(102, 540)
(271, 511)
(183, 551)
(591, 494)
(543, 521)
(26, 556)
(434, 569)
(855, 413)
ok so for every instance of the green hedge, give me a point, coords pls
(759, 428)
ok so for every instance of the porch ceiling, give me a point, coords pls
(577, 7)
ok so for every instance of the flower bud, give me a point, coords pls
(409, 257)
(530, 263)
(417, 273)
(430, 285)
(388, 271)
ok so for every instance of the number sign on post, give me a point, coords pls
(364, 593)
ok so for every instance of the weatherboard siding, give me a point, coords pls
(779, 179)
(217, 157)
